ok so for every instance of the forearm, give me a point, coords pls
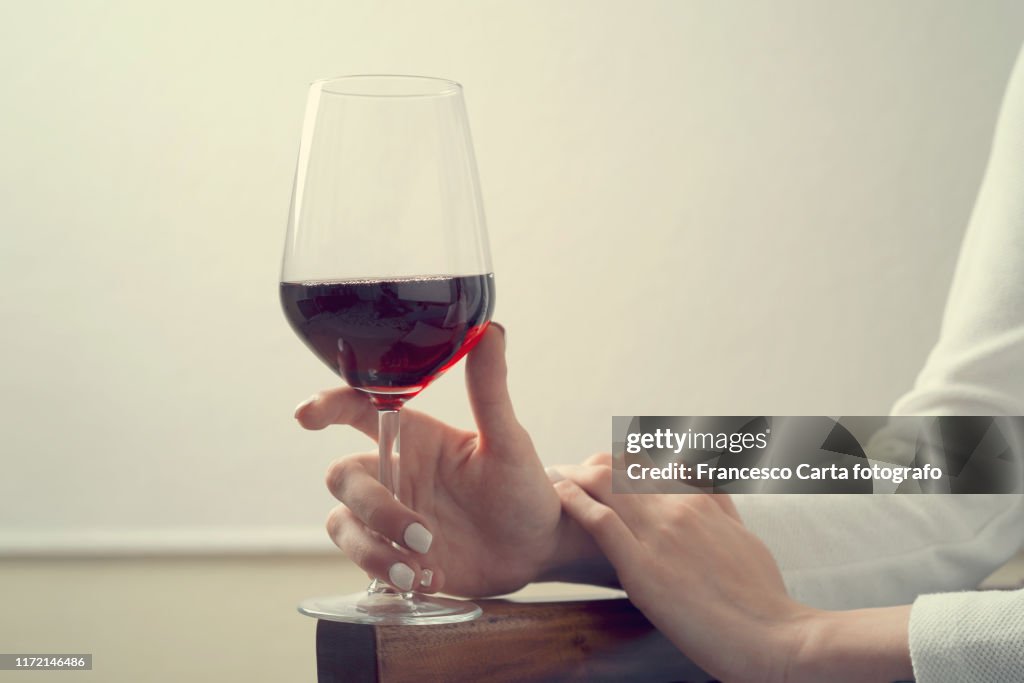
(866, 645)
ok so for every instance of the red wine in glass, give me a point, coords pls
(390, 338)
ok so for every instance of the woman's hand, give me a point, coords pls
(711, 587)
(478, 514)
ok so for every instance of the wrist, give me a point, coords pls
(576, 558)
(854, 645)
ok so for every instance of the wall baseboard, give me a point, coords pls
(166, 541)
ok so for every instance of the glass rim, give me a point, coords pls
(387, 85)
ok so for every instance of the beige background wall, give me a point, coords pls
(695, 207)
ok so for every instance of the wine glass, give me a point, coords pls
(387, 272)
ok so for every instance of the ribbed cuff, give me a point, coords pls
(971, 637)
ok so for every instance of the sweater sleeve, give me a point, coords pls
(874, 550)
(979, 363)
(973, 637)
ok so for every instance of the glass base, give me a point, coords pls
(390, 608)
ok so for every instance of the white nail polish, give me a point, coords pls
(554, 475)
(428, 576)
(417, 537)
(401, 575)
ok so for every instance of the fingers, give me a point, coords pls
(600, 521)
(487, 384)
(341, 405)
(350, 481)
(725, 502)
(376, 556)
(640, 505)
(596, 480)
(486, 375)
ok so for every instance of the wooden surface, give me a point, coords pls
(590, 640)
(596, 638)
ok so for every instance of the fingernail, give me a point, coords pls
(309, 401)
(554, 475)
(401, 575)
(504, 333)
(417, 537)
(428, 576)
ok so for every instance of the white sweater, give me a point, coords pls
(888, 550)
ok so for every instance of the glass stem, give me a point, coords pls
(388, 422)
